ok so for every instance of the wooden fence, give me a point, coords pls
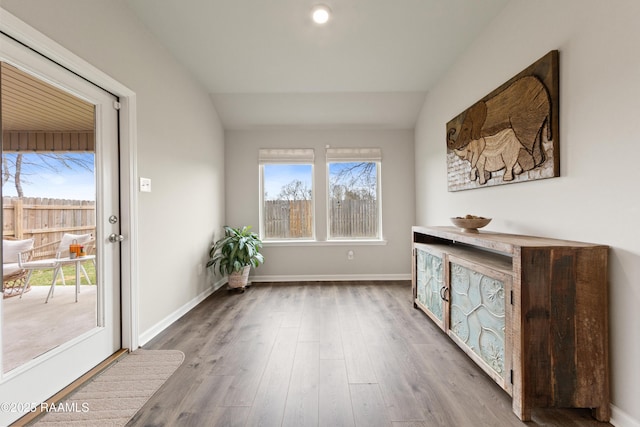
(353, 218)
(285, 219)
(46, 220)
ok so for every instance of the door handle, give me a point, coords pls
(116, 238)
(443, 293)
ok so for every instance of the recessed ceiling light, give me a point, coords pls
(320, 14)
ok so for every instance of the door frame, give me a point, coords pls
(127, 128)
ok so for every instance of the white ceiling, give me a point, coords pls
(266, 64)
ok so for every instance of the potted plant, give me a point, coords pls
(235, 254)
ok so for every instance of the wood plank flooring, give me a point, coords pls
(325, 354)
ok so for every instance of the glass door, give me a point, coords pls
(60, 312)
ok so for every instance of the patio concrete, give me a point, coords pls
(30, 327)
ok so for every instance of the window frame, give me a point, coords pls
(354, 155)
(286, 157)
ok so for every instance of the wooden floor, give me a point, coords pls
(325, 354)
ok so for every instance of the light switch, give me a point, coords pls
(145, 185)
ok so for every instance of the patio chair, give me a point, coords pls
(39, 258)
(13, 276)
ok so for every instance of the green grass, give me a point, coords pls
(44, 277)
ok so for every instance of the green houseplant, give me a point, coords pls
(235, 254)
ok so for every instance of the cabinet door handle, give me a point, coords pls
(443, 293)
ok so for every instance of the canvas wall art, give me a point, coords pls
(510, 135)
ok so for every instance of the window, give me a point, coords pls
(286, 205)
(353, 176)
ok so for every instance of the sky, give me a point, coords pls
(57, 182)
(78, 183)
(277, 176)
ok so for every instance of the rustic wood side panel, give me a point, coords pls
(592, 326)
(535, 326)
(563, 327)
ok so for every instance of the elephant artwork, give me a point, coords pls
(514, 130)
(493, 153)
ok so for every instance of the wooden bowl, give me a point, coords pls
(470, 225)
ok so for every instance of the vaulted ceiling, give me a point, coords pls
(266, 64)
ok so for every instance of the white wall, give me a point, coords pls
(596, 199)
(180, 144)
(322, 262)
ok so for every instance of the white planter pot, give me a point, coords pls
(239, 279)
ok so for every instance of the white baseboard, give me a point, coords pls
(330, 277)
(150, 333)
(619, 418)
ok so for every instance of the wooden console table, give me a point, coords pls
(531, 312)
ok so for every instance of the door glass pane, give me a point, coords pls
(49, 217)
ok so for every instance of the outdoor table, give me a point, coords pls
(64, 261)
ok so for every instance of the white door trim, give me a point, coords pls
(29, 36)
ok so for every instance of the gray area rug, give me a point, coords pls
(114, 396)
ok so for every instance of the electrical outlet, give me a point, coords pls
(145, 185)
(350, 255)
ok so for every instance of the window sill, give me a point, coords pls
(358, 242)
